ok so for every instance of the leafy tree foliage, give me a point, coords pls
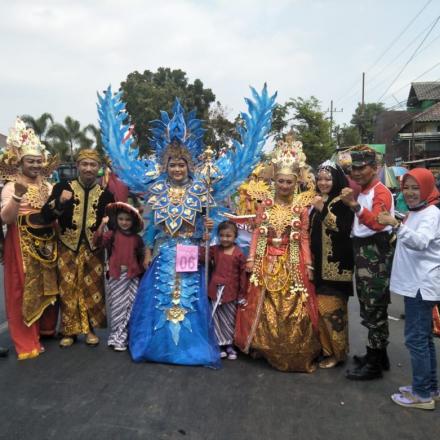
(312, 128)
(220, 130)
(149, 92)
(364, 119)
(347, 135)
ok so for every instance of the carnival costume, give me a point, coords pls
(170, 321)
(80, 261)
(280, 319)
(332, 253)
(30, 246)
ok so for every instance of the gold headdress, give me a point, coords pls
(89, 154)
(288, 157)
(23, 141)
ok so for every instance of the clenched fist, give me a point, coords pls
(318, 203)
(20, 188)
(65, 196)
(347, 197)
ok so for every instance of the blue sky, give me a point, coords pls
(56, 54)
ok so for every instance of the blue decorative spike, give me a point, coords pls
(135, 172)
(237, 164)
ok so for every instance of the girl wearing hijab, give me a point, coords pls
(330, 227)
(416, 276)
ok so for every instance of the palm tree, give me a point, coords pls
(41, 127)
(69, 137)
(96, 133)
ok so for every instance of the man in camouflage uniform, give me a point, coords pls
(373, 254)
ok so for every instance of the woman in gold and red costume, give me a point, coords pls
(30, 250)
(280, 319)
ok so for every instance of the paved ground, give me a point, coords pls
(94, 393)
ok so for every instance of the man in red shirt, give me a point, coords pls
(373, 257)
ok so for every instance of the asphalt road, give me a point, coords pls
(94, 393)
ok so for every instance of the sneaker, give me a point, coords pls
(223, 354)
(409, 400)
(232, 354)
(120, 348)
(407, 389)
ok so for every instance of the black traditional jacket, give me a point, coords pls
(332, 248)
(79, 217)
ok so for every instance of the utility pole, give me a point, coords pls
(363, 108)
(333, 110)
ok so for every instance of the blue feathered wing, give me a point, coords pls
(237, 164)
(135, 172)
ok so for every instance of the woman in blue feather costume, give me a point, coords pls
(171, 316)
(170, 321)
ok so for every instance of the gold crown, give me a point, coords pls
(23, 141)
(288, 157)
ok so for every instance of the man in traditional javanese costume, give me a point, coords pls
(30, 246)
(79, 206)
(281, 317)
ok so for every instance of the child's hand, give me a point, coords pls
(104, 220)
(206, 236)
(147, 259)
(209, 223)
(249, 266)
(242, 302)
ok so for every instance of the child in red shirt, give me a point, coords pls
(227, 286)
(125, 266)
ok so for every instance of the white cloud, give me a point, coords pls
(57, 54)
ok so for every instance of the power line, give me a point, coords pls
(344, 95)
(401, 33)
(410, 58)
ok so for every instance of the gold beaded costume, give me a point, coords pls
(279, 321)
(30, 245)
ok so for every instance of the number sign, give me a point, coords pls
(187, 258)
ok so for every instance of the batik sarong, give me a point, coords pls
(120, 297)
(81, 290)
(333, 326)
(224, 323)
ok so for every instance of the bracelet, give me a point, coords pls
(17, 198)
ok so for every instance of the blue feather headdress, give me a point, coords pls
(185, 131)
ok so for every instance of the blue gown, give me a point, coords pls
(171, 316)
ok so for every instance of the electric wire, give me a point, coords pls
(410, 58)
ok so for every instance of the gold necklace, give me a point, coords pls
(280, 217)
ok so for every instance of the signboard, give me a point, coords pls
(187, 258)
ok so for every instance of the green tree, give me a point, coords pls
(68, 138)
(364, 119)
(347, 135)
(312, 128)
(220, 130)
(145, 94)
(40, 126)
(280, 120)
